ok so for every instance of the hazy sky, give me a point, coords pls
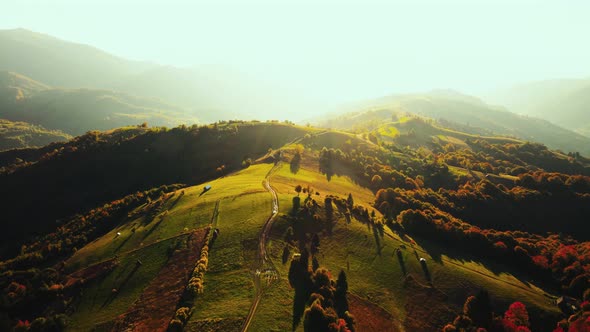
(335, 50)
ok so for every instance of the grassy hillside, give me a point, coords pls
(99, 167)
(376, 278)
(374, 273)
(236, 205)
(22, 135)
(420, 132)
(374, 204)
(465, 112)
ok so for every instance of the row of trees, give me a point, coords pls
(477, 316)
(195, 285)
(553, 259)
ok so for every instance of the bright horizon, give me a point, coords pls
(334, 51)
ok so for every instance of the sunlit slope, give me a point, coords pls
(242, 205)
(396, 297)
(109, 166)
(14, 135)
(420, 132)
(378, 280)
(466, 113)
(14, 87)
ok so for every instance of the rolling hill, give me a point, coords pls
(209, 93)
(471, 114)
(416, 216)
(416, 212)
(564, 102)
(15, 87)
(16, 135)
(76, 111)
(122, 161)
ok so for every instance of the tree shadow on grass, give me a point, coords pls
(176, 200)
(377, 240)
(426, 270)
(402, 263)
(495, 264)
(433, 250)
(123, 242)
(298, 307)
(148, 233)
(114, 294)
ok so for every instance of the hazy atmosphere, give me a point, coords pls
(333, 51)
(295, 165)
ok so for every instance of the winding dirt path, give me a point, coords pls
(263, 266)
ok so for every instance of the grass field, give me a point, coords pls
(375, 275)
(380, 279)
(98, 304)
(229, 289)
(243, 207)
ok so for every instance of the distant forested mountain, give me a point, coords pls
(468, 113)
(564, 102)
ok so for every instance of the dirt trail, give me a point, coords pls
(263, 269)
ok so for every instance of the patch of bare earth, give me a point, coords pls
(92, 272)
(369, 316)
(157, 304)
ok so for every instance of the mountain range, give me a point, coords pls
(131, 203)
(75, 88)
(564, 102)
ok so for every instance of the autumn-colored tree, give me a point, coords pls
(376, 181)
(516, 318)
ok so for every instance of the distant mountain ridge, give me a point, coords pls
(22, 135)
(46, 75)
(208, 93)
(60, 63)
(465, 110)
(565, 102)
(76, 111)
